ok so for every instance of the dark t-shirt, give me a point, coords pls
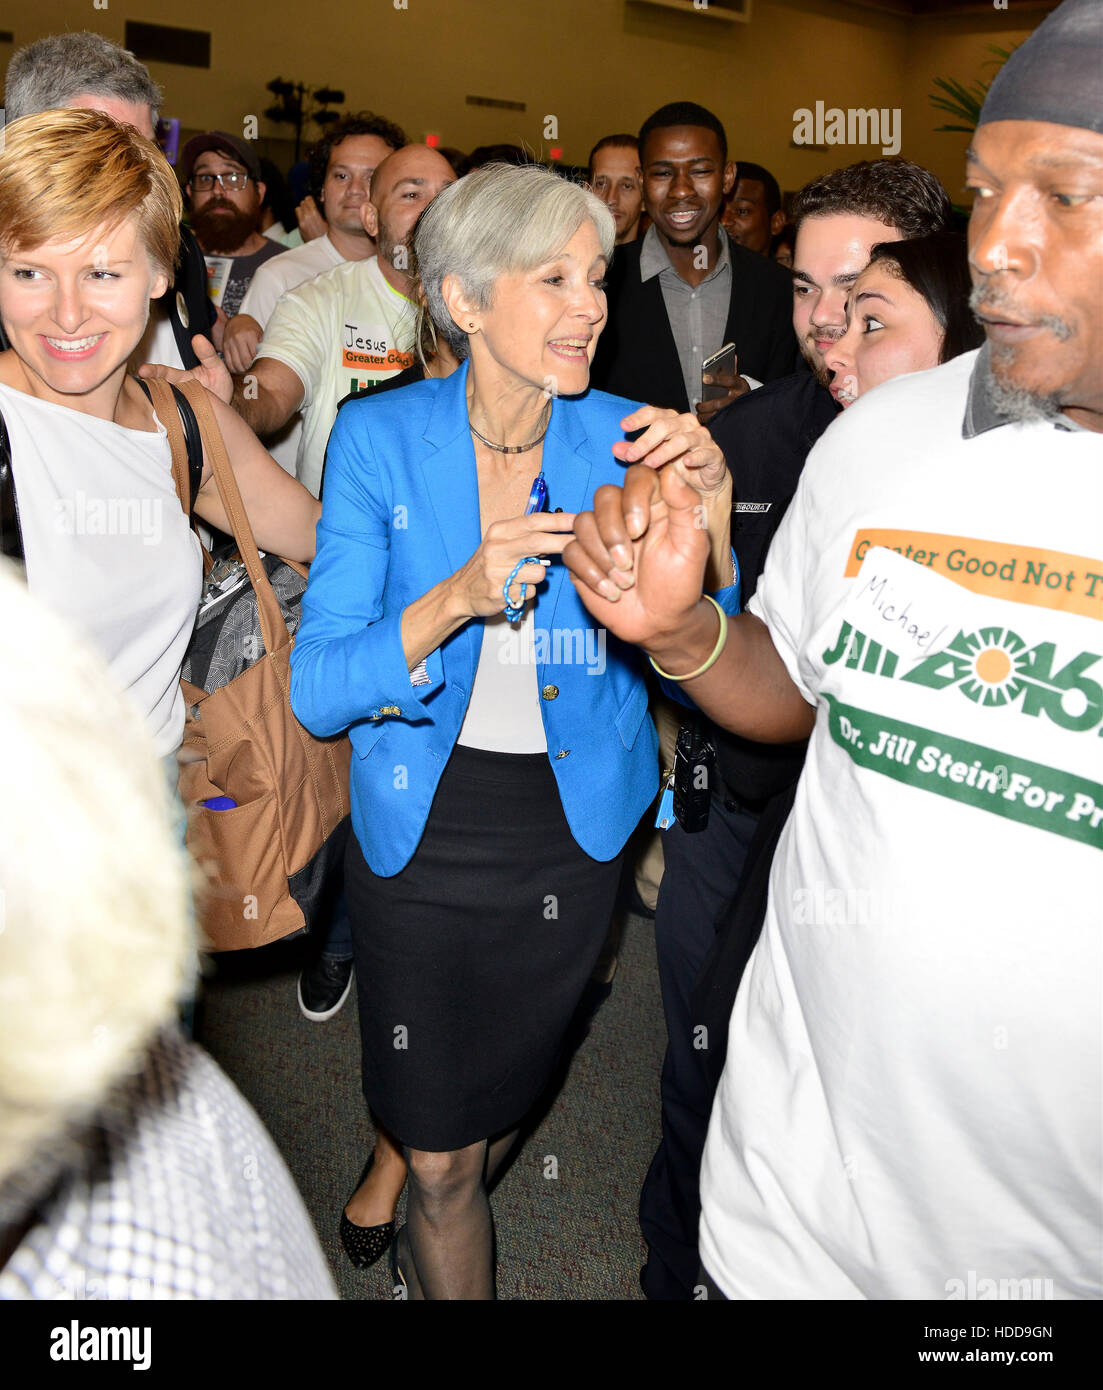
(242, 270)
(766, 437)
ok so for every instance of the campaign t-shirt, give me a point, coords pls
(911, 1102)
(338, 333)
(274, 278)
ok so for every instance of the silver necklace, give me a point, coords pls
(511, 448)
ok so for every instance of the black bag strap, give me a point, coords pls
(11, 534)
(193, 440)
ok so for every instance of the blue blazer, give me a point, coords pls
(400, 514)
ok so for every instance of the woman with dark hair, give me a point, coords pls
(907, 311)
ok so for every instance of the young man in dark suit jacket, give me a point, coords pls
(685, 289)
(713, 895)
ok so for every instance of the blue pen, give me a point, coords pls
(538, 500)
(538, 497)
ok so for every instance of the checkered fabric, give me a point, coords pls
(179, 1194)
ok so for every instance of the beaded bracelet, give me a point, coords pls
(708, 665)
(514, 610)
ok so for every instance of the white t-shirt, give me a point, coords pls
(108, 547)
(278, 232)
(911, 1102)
(287, 272)
(273, 279)
(338, 333)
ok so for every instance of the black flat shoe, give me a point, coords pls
(365, 1244)
(397, 1277)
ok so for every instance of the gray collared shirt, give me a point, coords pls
(981, 413)
(698, 314)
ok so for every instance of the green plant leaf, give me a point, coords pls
(965, 101)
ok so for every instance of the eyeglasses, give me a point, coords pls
(203, 183)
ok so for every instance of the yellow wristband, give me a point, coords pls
(708, 665)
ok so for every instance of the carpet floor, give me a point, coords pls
(564, 1209)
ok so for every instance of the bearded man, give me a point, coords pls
(225, 194)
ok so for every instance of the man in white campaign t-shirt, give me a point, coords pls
(337, 333)
(343, 165)
(911, 1103)
(348, 327)
(916, 1041)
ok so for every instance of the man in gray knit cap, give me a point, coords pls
(911, 1103)
(1036, 233)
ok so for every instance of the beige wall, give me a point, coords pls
(596, 65)
(955, 47)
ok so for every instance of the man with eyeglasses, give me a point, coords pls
(225, 194)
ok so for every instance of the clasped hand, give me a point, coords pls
(680, 441)
(671, 444)
(638, 559)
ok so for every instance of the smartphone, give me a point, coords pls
(722, 361)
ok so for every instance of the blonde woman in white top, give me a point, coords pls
(89, 218)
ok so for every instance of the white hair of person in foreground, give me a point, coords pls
(97, 948)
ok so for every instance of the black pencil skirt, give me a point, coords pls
(471, 961)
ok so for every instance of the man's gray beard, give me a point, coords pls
(1016, 402)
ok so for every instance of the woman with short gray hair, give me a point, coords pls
(504, 750)
(534, 214)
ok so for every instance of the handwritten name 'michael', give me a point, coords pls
(886, 603)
